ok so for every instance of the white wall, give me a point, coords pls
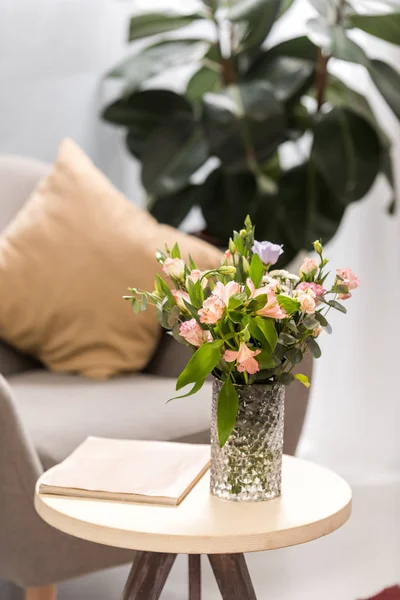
(53, 54)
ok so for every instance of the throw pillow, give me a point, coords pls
(67, 259)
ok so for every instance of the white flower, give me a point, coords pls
(174, 267)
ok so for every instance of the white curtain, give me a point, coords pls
(53, 54)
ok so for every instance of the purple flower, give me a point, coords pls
(267, 251)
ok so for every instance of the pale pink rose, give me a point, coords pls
(272, 309)
(174, 267)
(180, 296)
(348, 278)
(194, 334)
(194, 276)
(308, 267)
(244, 358)
(314, 287)
(212, 311)
(226, 291)
(307, 301)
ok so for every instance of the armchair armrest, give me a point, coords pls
(13, 362)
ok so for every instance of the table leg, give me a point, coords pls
(194, 577)
(148, 576)
(232, 576)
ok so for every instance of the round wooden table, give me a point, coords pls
(314, 503)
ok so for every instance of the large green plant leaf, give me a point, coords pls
(343, 48)
(289, 77)
(143, 112)
(387, 80)
(145, 24)
(256, 18)
(202, 363)
(384, 26)
(157, 59)
(225, 201)
(299, 47)
(171, 154)
(347, 153)
(202, 81)
(341, 95)
(228, 406)
(243, 115)
(174, 208)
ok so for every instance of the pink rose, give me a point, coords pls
(307, 301)
(224, 292)
(180, 296)
(314, 287)
(194, 334)
(348, 278)
(174, 267)
(194, 276)
(308, 267)
(244, 358)
(272, 308)
(212, 311)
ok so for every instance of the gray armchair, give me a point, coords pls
(44, 416)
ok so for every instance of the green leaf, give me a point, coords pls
(237, 300)
(202, 363)
(340, 289)
(175, 252)
(228, 405)
(313, 347)
(249, 109)
(151, 23)
(299, 47)
(287, 339)
(196, 293)
(347, 153)
(162, 287)
(158, 59)
(289, 77)
(256, 18)
(197, 386)
(289, 305)
(303, 379)
(267, 326)
(336, 305)
(265, 360)
(204, 80)
(310, 322)
(387, 80)
(321, 319)
(225, 200)
(256, 270)
(295, 355)
(286, 378)
(173, 209)
(383, 26)
(344, 48)
(171, 155)
(341, 95)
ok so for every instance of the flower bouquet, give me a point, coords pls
(249, 326)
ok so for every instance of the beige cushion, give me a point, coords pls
(67, 259)
(59, 411)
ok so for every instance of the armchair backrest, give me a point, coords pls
(18, 178)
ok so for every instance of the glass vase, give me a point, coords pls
(249, 466)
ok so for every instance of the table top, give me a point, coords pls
(314, 503)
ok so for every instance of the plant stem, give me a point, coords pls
(228, 74)
(321, 78)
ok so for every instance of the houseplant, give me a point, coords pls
(248, 325)
(247, 104)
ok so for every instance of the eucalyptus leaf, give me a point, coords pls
(171, 154)
(313, 347)
(310, 322)
(202, 363)
(294, 355)
(383, 26)
(337, 306)
(286, 378)
(287, 339)
(228, 405)
(150, 23)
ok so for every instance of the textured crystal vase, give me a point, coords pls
(249, 467)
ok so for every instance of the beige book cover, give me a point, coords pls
(129, 471)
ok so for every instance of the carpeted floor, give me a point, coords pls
(392, 593)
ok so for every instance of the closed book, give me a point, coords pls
(129, 471)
